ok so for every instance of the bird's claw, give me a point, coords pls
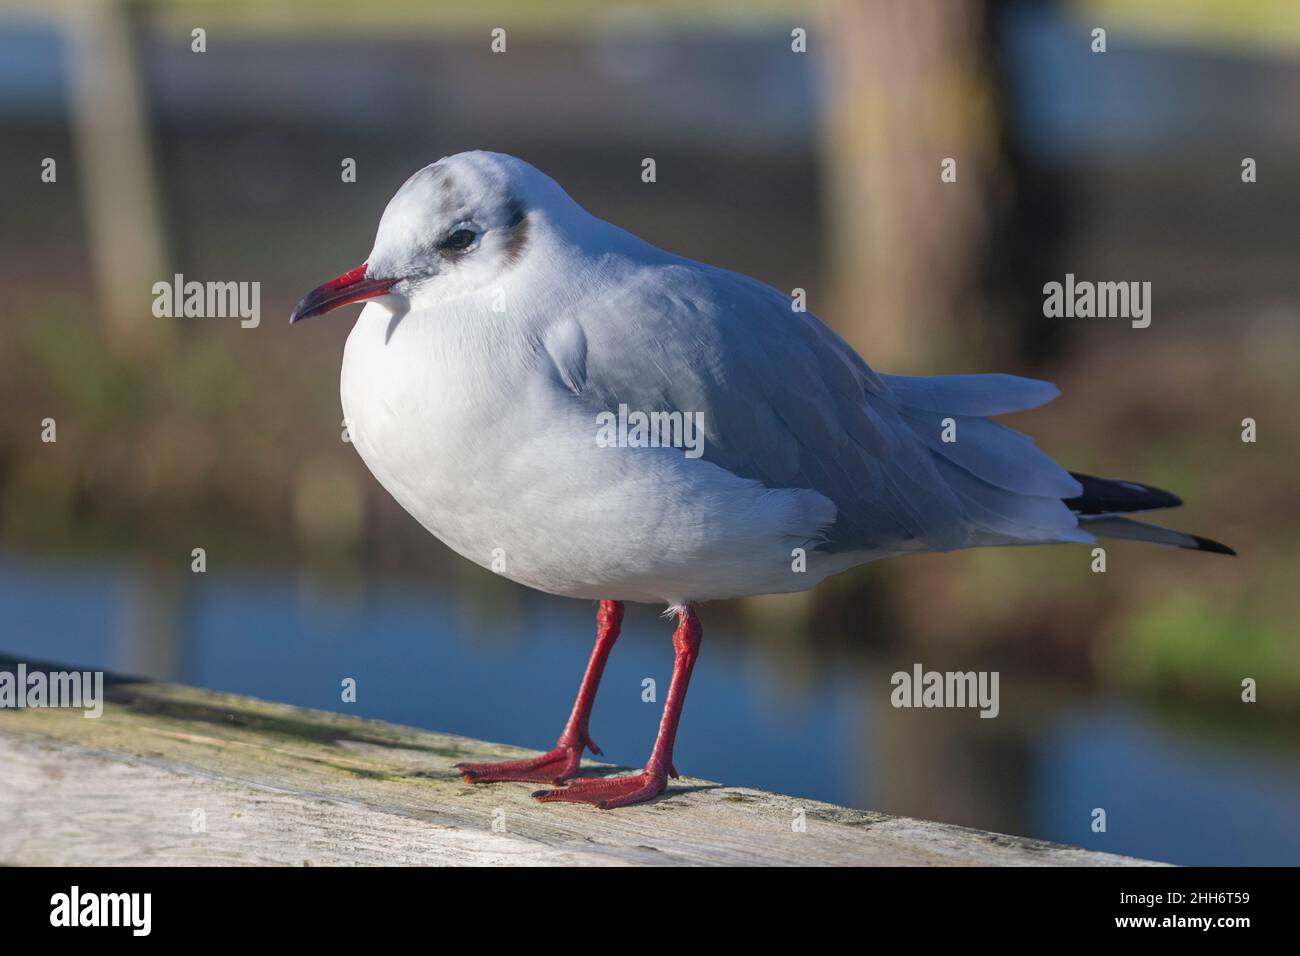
(553, 767)
(608, 792)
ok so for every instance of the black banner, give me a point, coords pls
(308, 905)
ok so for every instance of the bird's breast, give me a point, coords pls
(448, 427)
(501, 462)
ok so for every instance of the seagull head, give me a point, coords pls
(456, 226)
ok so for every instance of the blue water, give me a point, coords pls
(418, 660)
(1167, 796)
(754, 716)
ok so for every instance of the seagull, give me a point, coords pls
(591, 416)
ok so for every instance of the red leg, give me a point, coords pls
(610, 792)
(562, 762)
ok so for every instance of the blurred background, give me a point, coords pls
(817, 170)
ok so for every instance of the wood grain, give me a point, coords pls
(175, 775)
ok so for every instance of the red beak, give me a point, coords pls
(352, 286)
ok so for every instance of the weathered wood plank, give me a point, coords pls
(175, 775)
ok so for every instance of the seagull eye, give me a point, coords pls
(460, 239)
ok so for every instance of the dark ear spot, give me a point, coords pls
(516, 213)
(447, 187)
(517, 234)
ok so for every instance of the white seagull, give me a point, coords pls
(594, 417)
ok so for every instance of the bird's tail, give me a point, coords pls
(1104, 500)
(1010, 491)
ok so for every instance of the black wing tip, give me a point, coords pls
(1209, 544)
(1118, 496)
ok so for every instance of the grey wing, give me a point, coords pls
(786, 402)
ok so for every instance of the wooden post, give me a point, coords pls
(115, 172)
(906, 88)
